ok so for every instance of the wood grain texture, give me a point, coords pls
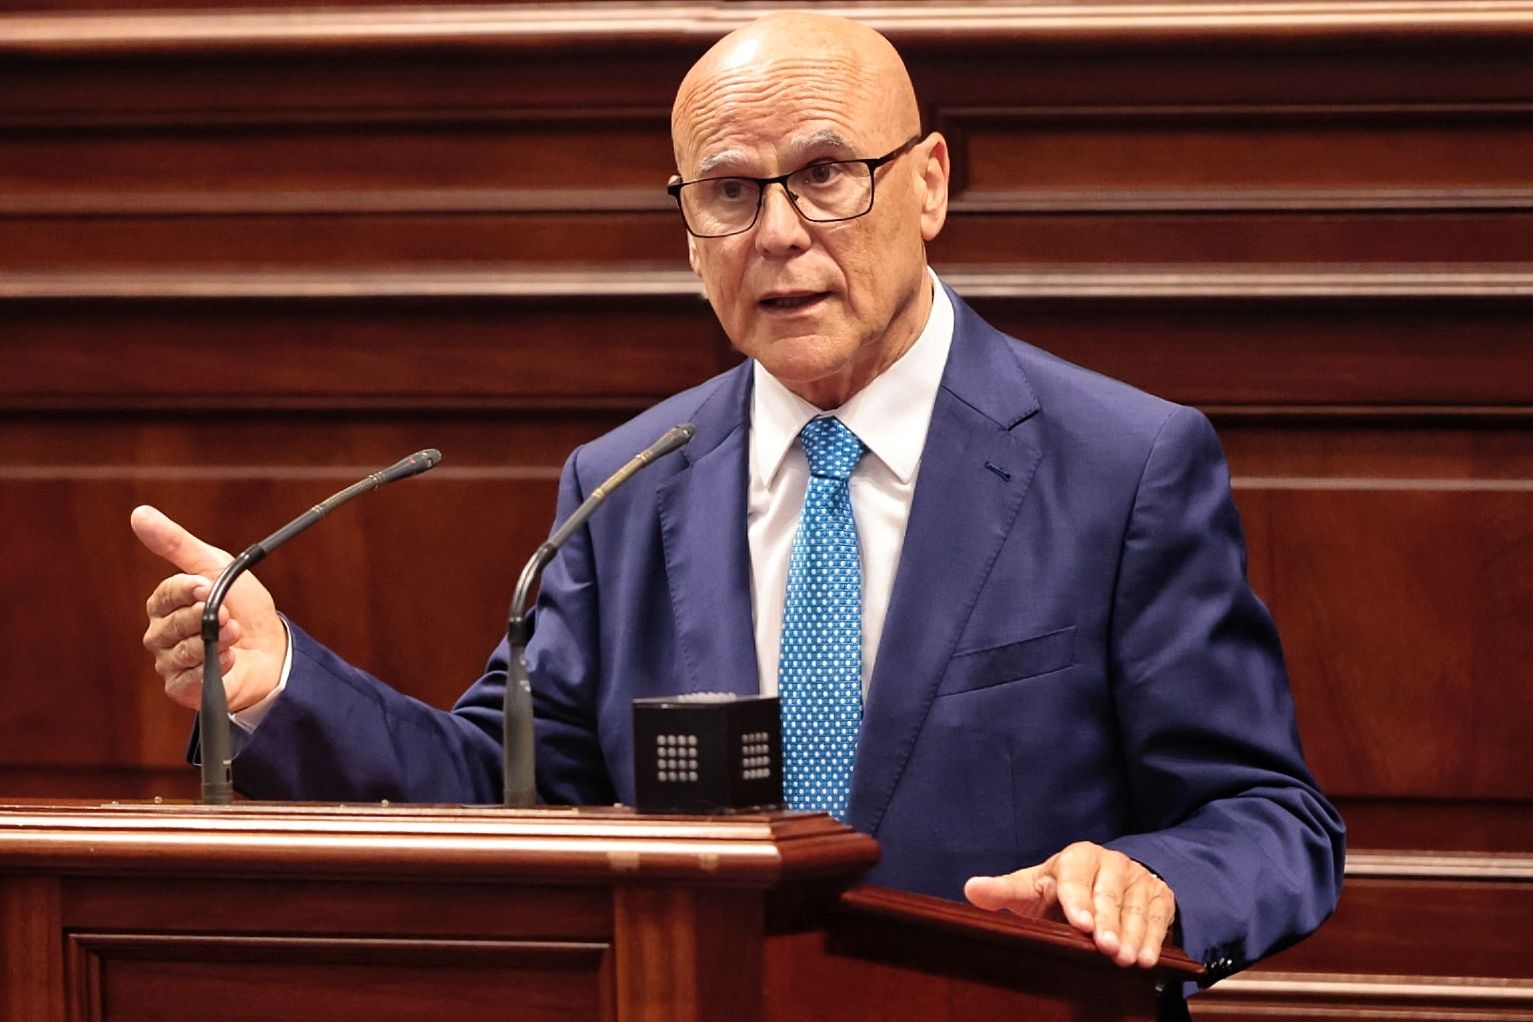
(248, 256)
(151, 978)
(32, 948)
(318, 930)
(327, 841)
(1415, 936)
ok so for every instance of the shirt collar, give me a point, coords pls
(890, 415)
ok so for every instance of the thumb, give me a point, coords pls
(167, 539)
(1027, 892)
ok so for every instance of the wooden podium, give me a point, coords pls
(175, 913)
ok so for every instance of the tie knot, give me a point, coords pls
(832, 449)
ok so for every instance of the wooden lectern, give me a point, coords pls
(181, 913)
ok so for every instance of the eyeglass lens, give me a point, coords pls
(820, 192)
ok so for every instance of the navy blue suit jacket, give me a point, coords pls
(1071, 652)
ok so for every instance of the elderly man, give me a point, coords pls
(1002, 599)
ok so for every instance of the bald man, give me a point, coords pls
(1046, 685)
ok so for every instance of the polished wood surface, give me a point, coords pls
(247, 256)
(1415, 936)
(126, 912)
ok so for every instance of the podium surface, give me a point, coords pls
(124, 912)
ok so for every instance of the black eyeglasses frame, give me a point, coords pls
(873, 163)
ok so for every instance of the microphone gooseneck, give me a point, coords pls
(213, 722)
(518, 771)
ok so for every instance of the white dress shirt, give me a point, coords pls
(890, 415)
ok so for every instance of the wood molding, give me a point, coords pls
(1301, 993)
(405, 842)
(1189, 282)
(1440, 866)
(69, 33)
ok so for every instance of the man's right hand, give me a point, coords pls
(252, 641)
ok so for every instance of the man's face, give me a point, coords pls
(824, 307)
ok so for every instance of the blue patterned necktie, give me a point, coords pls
(819, 675)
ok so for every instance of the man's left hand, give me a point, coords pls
(1126, 908)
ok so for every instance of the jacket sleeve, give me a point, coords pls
(1229, 815)
(339, 734)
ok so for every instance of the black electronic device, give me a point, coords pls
(707, 752)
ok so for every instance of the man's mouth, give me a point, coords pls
(793, 302)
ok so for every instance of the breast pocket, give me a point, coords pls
(1015, 661)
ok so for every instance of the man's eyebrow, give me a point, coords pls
(709, 164)
(823, 141)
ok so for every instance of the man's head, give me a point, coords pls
(825, 307)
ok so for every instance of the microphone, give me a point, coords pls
(213, 724)
(517, 737)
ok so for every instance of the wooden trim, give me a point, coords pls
(405, 842)
(135, 33)
(954, 919)
(1439, 866)
(1247, 282)
(255, 948)
(1408, 484)
(1296, 988)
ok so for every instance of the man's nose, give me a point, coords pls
(779, 228)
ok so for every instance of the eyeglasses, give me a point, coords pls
(716, 207)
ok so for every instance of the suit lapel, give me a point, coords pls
(974, 474)
(707, 556)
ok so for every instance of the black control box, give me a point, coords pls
(707, 752)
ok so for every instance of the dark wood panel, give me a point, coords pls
(1289, 352)
(1414, 936)
(361, 240)
(1444, 824)
(216, 445)
(1399, 444)
(1301, 350)
(393, 159)
(1103, 238)
(1420, 928)
(150, 978)
(434, 557)
(496, 352)
(1397, 150)
(1403, 611)
(423, 241)
(30, 938)
(542, 912)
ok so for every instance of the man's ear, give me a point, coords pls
(934, 177)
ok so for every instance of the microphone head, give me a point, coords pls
(676, 436)
(414, 465)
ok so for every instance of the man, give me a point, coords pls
(1002, 598)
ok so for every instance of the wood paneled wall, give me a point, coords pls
(245, 257)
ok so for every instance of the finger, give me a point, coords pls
(176, 592)
(178, 625)
(1076, 872)
(1026, 892)
(188, 653)
(1134, 917)
(185, 687)
(171, 541)
(1158, 917)
(1107, 900)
